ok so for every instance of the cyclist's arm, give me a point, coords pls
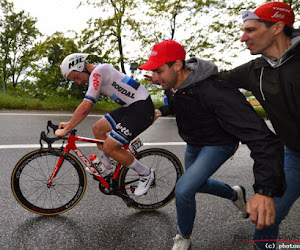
(80, 113)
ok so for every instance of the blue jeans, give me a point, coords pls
(284, 203)
(200, 164)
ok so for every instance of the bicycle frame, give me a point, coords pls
(39, 194)
(72, 146)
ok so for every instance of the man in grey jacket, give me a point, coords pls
(212, 117)
(274, 79)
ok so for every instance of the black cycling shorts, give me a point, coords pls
(129, 122)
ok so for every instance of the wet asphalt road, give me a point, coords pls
(105, 222)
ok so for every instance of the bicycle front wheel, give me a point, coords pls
(168, 169)
(29, 182)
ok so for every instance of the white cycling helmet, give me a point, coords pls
(73, 62)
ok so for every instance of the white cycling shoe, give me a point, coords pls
(145, 183)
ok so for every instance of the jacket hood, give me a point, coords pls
(296, 33)
(294, 42)
(199, 70)
(287, 55)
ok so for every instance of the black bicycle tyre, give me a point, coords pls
(168, 170)
(30, 177)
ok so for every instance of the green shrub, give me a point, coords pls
(22, 101)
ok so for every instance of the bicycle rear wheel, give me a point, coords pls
(31, 175)
(168, 169)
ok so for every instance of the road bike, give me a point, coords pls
(50, 181)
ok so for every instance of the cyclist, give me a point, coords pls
(122, 124)
(212, 117)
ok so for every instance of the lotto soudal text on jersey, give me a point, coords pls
(122, 90)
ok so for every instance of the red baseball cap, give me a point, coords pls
(272, 12)
(163, 52)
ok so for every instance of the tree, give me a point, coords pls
(223, 32)
(295, 4)
(17, 37)
(170, 19)
(49, 80)
(207, 29)
(106, 34)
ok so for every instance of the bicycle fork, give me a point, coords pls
(60, 161)
(55, 171)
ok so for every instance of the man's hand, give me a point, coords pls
(61, 132)
(62, 125)
(149, 79)
(157, 114)
(262, 210)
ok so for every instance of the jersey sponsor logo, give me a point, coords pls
(129, 81)
(96, 82)
(122, 90)
(117, 99)
(125, 131)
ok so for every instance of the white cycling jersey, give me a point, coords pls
(106, 80)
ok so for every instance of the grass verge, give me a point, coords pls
(24, 102)
(9, 101)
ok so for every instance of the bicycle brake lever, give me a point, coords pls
(48, 140)
(41, 139)
(51, 125)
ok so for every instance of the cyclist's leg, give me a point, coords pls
(113, 146)
(201, 164)
(114, 149)
(100, 130)
(127, 123)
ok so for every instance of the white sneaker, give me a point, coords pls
(145, 183)
(240, 202)
(181, 243)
